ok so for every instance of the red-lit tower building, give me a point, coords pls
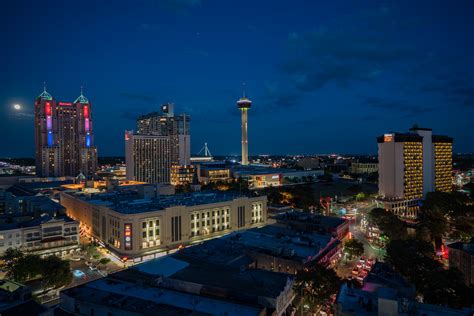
(64, 137)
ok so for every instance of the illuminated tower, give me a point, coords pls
(244, 105)
(64, 137)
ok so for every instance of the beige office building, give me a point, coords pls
(138, 225)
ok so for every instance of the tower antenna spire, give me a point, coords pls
(44, 86)
(81, 89)
(243, 88)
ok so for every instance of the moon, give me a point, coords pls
(17, 107)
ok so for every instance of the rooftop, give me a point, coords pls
(283, 242)
(328, 221)
(131, 202)
(147, 298)
(36, 222)
(468, 247)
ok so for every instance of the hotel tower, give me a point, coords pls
(410, 166)
(64, 138)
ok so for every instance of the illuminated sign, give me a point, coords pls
(86, 124)
(387, 138)
(128, 236)
(86, 111)
(65, 103)
(48, 108)
(50, 138)
(276, 177)
(88, 140)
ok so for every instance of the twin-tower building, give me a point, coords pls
(64, 138)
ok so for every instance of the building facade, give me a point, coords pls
(147, 157)
(162, 140)
(182, 175)
(45, 236)
(64, 138)
(364, 167)
(461, 256)
(176, 127)
(136, 225)
(411, 165)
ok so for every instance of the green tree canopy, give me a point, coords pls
(354, 248)
(55, 272)
(388, 223)
(413, 258)
(317, 284)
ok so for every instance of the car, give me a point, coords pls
(93, 268)
(75, 258)
(355, 271)
(359, 265)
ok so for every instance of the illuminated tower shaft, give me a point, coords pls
(245, 141)
(244, 105)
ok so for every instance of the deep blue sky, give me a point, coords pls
(324, 77)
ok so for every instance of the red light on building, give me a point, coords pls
(48, 108)
(86, 111)
(64, 103)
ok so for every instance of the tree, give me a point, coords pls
(55, 272)
(354, 248)
(9, 260)
(317, 284)
(388, 223)
(104, 261)
(413, 258)
(445, 213)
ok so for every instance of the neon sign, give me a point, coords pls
(65, 103)
(387, 138)
(128, 236)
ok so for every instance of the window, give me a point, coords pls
(144, 225)
(157, 231)
(192, 217)
(144, 235)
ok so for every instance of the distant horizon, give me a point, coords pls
(271, 155)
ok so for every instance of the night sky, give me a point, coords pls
(323, 77)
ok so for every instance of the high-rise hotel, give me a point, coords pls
(64, 137)
(411, 165)
(159, 148)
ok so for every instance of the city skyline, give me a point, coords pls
(318, 54)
